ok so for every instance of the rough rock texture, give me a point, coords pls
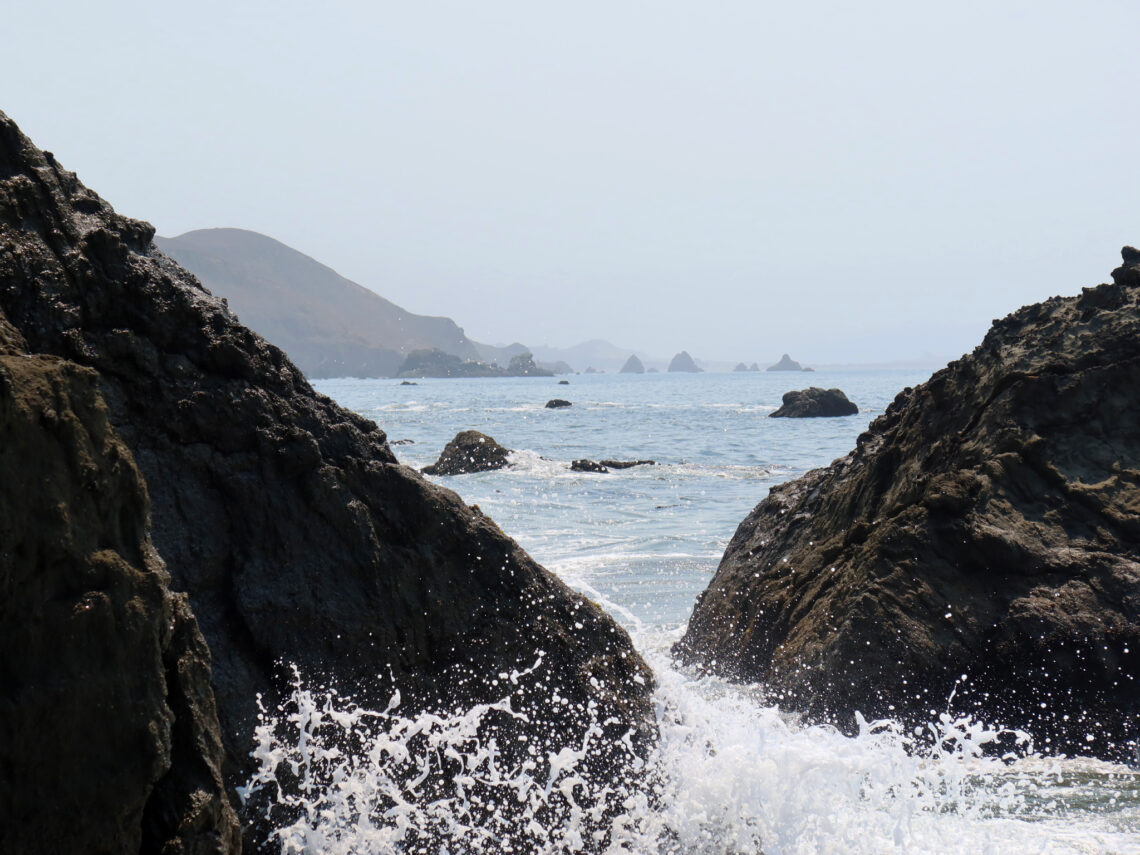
(815, 403)
(109, 736)
(470, 451)
(684, 363)
(786, 363)
(987, 524)
(557, 404)
(632, 366)
(286, 519)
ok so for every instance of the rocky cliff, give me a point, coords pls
(987, 525)
(286, 519)
(109, 738)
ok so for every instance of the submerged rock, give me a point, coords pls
(470, 451)
(632, 366)
(985, 526)
(606, 465)
(587, 466)
(557, 404)
(109, 736)
(682, 362)
(286, 519)
(815, 403)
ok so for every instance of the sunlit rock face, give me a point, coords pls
(108, 734)
(286, 519)
(986, 526)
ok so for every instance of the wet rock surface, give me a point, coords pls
(470, 451)
(585, 465)
(287, 521)
(815, 403)
(986, 525)
(109, 737)
(557, 404)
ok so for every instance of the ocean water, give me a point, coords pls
(734, 773)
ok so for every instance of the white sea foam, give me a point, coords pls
(733, 775)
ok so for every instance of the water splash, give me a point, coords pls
(730, 775)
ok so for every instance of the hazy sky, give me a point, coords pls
(842, 181)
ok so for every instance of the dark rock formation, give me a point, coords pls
(329, 325)
(587, 466)
(632, 366)
(109, 736)
(786, 363)
(606, 465)
(286, 519)
(434, 362)
(437, 363)
(470, 451)
(986, 525)
(815, 403)
(563, 382)
(557, 404)
(684, 363)
(408, 383)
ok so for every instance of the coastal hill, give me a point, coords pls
(329, 325)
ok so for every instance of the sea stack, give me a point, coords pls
(786, 363)
(979, 541)
(286, 520)
(632, 366)
(684, 363)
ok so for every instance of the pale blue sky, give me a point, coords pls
(842, 181)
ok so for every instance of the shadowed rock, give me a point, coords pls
(557, 404)
(285, 518)
(815, 403)
(587, 466)
(986, 525)
(109, 736)
(470, 451)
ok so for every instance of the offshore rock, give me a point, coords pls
(286, 519)
(470, 451)
(815, 403)
(682, 362)
(632, 366)
(986, 525)
(587, 466)
(786, 363)
(109, 736)
(557, 404)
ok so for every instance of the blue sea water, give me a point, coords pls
(743, 776)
